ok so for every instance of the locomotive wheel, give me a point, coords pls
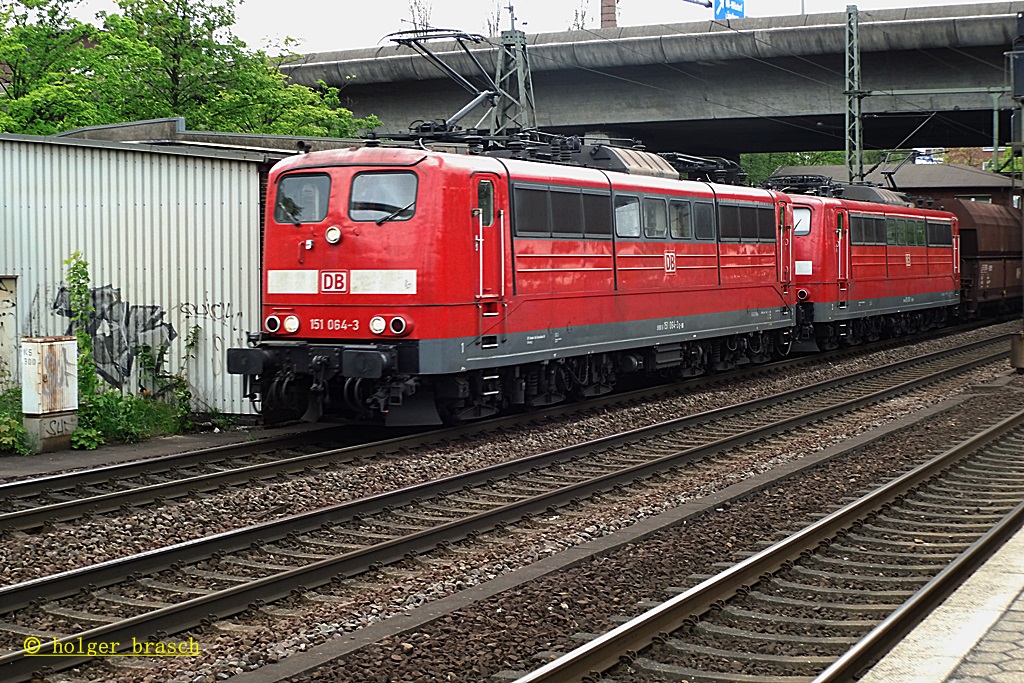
(283, 399)
(449, 410)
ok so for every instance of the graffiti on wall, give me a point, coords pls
(118, 329)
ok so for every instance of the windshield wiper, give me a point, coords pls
(394, 214)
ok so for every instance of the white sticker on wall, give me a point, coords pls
(804, 268)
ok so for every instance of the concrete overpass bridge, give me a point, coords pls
(936, 78)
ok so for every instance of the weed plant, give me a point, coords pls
(13, 437)
(163, 404)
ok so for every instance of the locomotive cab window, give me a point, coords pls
(485, 201)
(383, 196)
(302, 199)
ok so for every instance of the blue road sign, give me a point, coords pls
(729, 9)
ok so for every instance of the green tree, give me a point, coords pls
(44, 74)
(153, 59)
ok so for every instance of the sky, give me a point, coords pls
(327, 25)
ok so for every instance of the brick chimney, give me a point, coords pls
(608, 12)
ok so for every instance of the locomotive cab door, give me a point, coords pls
(843, 257)
(489, 243)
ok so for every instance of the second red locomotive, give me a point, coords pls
(866, 269)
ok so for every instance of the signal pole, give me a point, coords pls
(1017, 145)
(515, 107)
(854, 99)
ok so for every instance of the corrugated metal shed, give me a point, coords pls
(171, 235)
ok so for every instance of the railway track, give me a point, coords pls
(827, 602)
(230, 572)
(46, 501)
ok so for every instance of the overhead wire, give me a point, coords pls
(665, 63)
(951, 65)
(918, 109)
(909, 103)
(760, 103)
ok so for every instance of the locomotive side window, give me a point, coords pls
(890, 231)
(561, 212)
(879, 230)
(857, 230)
(801, 221)
(940, 234)
(597, 215)
(871, 230)
(567, 213)
(655, 218)
(765, 224)
(749, 224)
(531, 212)
(729, 222)
(904, 235)
(485, 201)
(917, 227)
(704, 220)
(750, 230)
(382, 197)
(679, 223)
(302, 199)
(627, 216)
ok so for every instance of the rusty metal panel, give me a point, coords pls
(50, 381)
(172, 240)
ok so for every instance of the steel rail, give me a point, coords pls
(176, 618)
(18, 596)
(606, 651)
(34, 486)
(38, 516)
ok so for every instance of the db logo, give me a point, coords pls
(670, 261)
(333, 280)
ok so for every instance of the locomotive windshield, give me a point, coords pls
(302, 199)
(383, 196)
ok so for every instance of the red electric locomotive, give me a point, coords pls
(416, 285)
(871, 269)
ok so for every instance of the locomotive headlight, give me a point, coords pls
(291, 324)
(398, 325)
(333, 234)
(377, 324)
(272, 323)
